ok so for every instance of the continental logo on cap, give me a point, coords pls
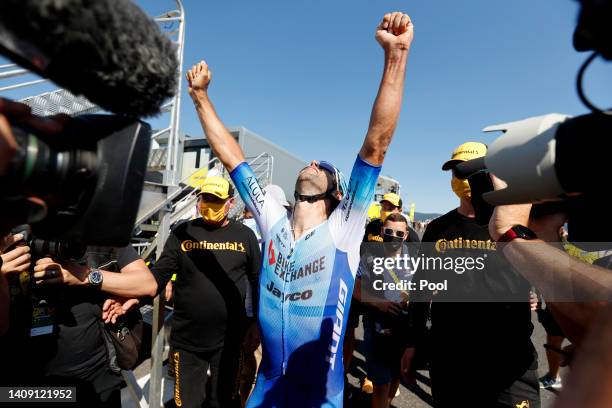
(188, 246)
(444, 245)
(468, 152)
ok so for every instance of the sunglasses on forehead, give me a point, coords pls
(331, 169)
(394, 233)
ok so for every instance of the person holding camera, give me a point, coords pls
(479, 343)
(214, 259)
(57, 313)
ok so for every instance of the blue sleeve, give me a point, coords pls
(266, 210)
(249, 189)
(348, 221)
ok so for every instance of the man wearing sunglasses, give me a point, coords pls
(310, 261)
(385, 321)
(391, 203)
(479, 344)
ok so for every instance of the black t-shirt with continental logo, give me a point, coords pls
(483, 313)
(213, 266)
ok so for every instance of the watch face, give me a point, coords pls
(524, 232)
(95, 278)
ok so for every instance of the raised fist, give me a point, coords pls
(198, 78)
(395, 31)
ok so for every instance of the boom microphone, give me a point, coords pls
(110, 51)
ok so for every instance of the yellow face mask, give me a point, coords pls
(461, 188)
(212, 213)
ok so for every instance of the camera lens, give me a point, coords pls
(39, 169)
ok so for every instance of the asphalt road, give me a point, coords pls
(421, 397)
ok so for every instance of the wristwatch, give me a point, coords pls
(95, 278)
(517, 231)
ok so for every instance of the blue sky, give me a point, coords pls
(304, 75)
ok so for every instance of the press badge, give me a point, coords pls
(42, 319)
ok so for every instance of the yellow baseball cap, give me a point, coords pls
(217, 186)
(466, 151)
(393, 198)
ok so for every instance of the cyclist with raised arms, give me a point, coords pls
(310, 261)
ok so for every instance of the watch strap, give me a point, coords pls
(517, 231)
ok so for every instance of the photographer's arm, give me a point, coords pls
(593, 361)
(394, 34)
(576, 291)
(224, 146)
(135, 279)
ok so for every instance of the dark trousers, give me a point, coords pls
(194, 388)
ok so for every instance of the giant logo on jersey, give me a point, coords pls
(336, 335)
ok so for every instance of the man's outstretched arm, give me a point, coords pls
(394, 34)
(223, 145)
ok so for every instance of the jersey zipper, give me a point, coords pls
(283, 310)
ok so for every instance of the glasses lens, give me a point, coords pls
(394, 233)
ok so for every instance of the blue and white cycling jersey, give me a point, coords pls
(305, 293)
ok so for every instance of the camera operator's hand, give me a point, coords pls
(9, 240)
(547, 227)
(16, 260)
(48, 271)
(395, 32)
(507, 216)
(115, 307)
(198, 79)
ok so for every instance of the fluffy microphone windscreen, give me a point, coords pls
(110, 51)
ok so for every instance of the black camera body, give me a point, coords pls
(40, 248)
(90, 177)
